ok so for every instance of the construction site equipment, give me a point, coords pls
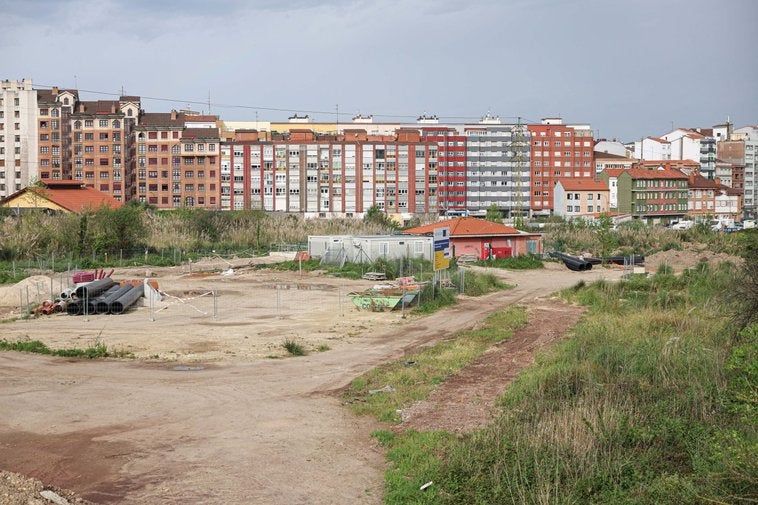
(126, 300)
(114, 293)
(94, 288)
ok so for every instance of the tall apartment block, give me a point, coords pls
(18, 135)
(497, 167)
(451, 168)
(558, 152)
(103, 145)
(325, 175)
(54, 155)
(177, 160)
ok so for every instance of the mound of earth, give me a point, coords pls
(687, 258)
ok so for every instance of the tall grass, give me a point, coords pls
(652, 401)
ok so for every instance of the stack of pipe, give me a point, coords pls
(574, 263)
(127, 299)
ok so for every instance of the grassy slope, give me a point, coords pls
(652, 401)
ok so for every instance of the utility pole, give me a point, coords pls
(518, 144)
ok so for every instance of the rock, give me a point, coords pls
(53, 497)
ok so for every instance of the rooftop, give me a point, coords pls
(466, 226)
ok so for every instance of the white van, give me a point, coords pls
(682, 225)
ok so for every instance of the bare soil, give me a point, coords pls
(688, 257)
(212, 419)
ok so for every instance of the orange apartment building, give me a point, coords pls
(558, 152)
(103, 144)
(177, 160)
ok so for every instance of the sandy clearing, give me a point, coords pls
(228, 429)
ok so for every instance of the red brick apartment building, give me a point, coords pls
(558, 152)
(325, 175)
(177, 162)
(451, 167)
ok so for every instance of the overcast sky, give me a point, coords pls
(629, 68)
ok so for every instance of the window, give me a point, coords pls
(88, 123)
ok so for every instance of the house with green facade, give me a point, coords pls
(657, 195)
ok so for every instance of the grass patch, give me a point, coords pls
(652, 401)
(324, 348)
(528, 262)
(97, 350)
(416, 376)
(294, 348)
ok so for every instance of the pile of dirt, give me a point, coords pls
(15, 489)
(9, 295)
(687, 258)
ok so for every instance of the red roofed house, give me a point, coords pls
(59, 196)
(581, 198)
(471, 236)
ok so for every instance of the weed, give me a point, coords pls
(294, 348)
(323, 348)
(529, 262)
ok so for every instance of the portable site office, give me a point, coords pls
(341, 249)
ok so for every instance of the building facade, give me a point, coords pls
(653, 195)
(330, 175)
(177, 165)
(581, 198)
(18, 136)
(558, 152)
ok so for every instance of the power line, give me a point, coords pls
(208, 103)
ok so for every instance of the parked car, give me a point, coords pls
(682, 225)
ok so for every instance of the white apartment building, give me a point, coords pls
(749, 135)
(18, 135)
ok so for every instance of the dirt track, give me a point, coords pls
(222, 431)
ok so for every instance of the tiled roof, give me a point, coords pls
(200, 133)
(160, 119)
(660, 141)
(74, 196)
(98, 107)
(700, 182)
(466, 226)
(583, 185)
(614, 172)
(665, 173)
(609, 156)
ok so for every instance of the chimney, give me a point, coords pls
(113, 108)
(55, 90)
(173, 115)
(81, 108)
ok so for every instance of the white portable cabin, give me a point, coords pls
(367, 249)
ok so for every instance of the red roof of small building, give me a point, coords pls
(583, 185)
(74, 196)
(466, 227)
(663, 173)
(614, 172)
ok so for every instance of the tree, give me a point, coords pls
(377, 216)
(494, 214)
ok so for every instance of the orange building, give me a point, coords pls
(707, 197)
(176, 163)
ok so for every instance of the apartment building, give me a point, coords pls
(558, 152)
(652, 148)
(730, 167)
(604, 161)
(498, 168)
(654, 195)
(748, 137)
(177, 160)
(451, 168)
(54, 155)
(330, 175)
(18, 135)
(585, 198)
(103, 145)
(710, 198)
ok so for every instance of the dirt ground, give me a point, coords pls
(466, 401)
(212, 419)
(688, 257)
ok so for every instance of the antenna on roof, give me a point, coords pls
(209, 102)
